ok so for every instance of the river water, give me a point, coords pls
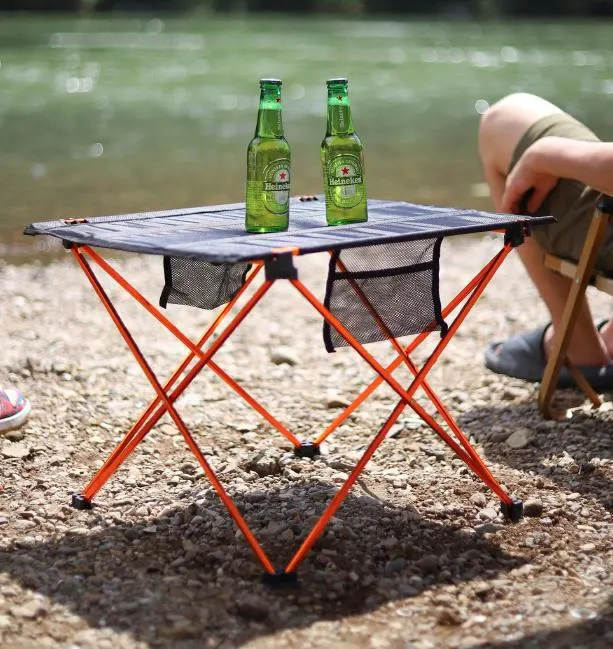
(105, 116)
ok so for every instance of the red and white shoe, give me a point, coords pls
(14, 409)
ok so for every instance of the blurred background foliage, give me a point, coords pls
(478, 9)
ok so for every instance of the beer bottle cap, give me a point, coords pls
(274, 82)
(331, 82)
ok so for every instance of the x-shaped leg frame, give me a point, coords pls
(178, 382)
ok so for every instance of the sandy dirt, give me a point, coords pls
(417, 557)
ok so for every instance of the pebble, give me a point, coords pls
(252, 609)
(478, 499)
(395, 565)
(500, 435)
(519, 439)
(450, 617)
(427, 563)
(14, 435)
(29, 610)
(15, 450)
(335, 401)
(488, 528)
(488, 514)
(284, 355)
(266, 462)
(533, 508)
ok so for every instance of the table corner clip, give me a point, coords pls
(516, 234)
(280, 579)
(281, 266)
(307, 449)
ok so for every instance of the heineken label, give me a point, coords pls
(276, 186)
(345, 180)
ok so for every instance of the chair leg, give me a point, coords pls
(557, 358)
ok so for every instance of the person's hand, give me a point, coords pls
(529, 180)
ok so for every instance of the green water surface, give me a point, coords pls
(105, 116)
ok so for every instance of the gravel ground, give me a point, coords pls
(417, 557)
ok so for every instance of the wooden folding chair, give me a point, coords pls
(583, 274)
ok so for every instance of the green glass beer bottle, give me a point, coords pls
(342, 161)
(268, 166)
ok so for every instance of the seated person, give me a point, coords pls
(539, 160)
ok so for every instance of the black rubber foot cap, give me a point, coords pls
(280, 579)
(307, 449)
(513, 512)
(80, 502)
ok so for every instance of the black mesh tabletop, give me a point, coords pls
(216, 234)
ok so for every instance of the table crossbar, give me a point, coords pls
(167, 393)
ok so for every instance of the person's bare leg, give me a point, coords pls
(501, 129)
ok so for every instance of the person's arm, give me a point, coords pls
(552, 158)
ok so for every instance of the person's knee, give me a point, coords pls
(503, 112)
(491, 127)
(505, 122)
(519, 101)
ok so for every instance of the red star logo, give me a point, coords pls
(340, 97)
(345, 171)
(278, 100)
(282, 175)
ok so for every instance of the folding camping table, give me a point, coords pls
(382, 284)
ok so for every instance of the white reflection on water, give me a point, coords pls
(228, 130)
(228, 102)
(200, 66)
(76, 84)
(92, 69)
(381, 78)
(23, 74)
(154, 26)
(481, 106)
(296, 91)
(456, 55)
(374, 29)
(509, 54)
(607, 87)
(583, 59)
(39, 170)
(429, 55)
(397, 55)
(483, 60)
(73, 60)
(102, 102)
(125, 40)
(96, 150)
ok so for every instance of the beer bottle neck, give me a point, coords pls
(269, 122)
(339, 112)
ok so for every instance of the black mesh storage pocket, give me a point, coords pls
(201, 283)
(382, 290)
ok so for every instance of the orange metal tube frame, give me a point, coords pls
(194, 348)
(414, 344)
(406, 396)
(227, 501)
(404, 356)
(475, 462)
(165, 399)
(142, 427)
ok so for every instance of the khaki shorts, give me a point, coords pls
(571, 202)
